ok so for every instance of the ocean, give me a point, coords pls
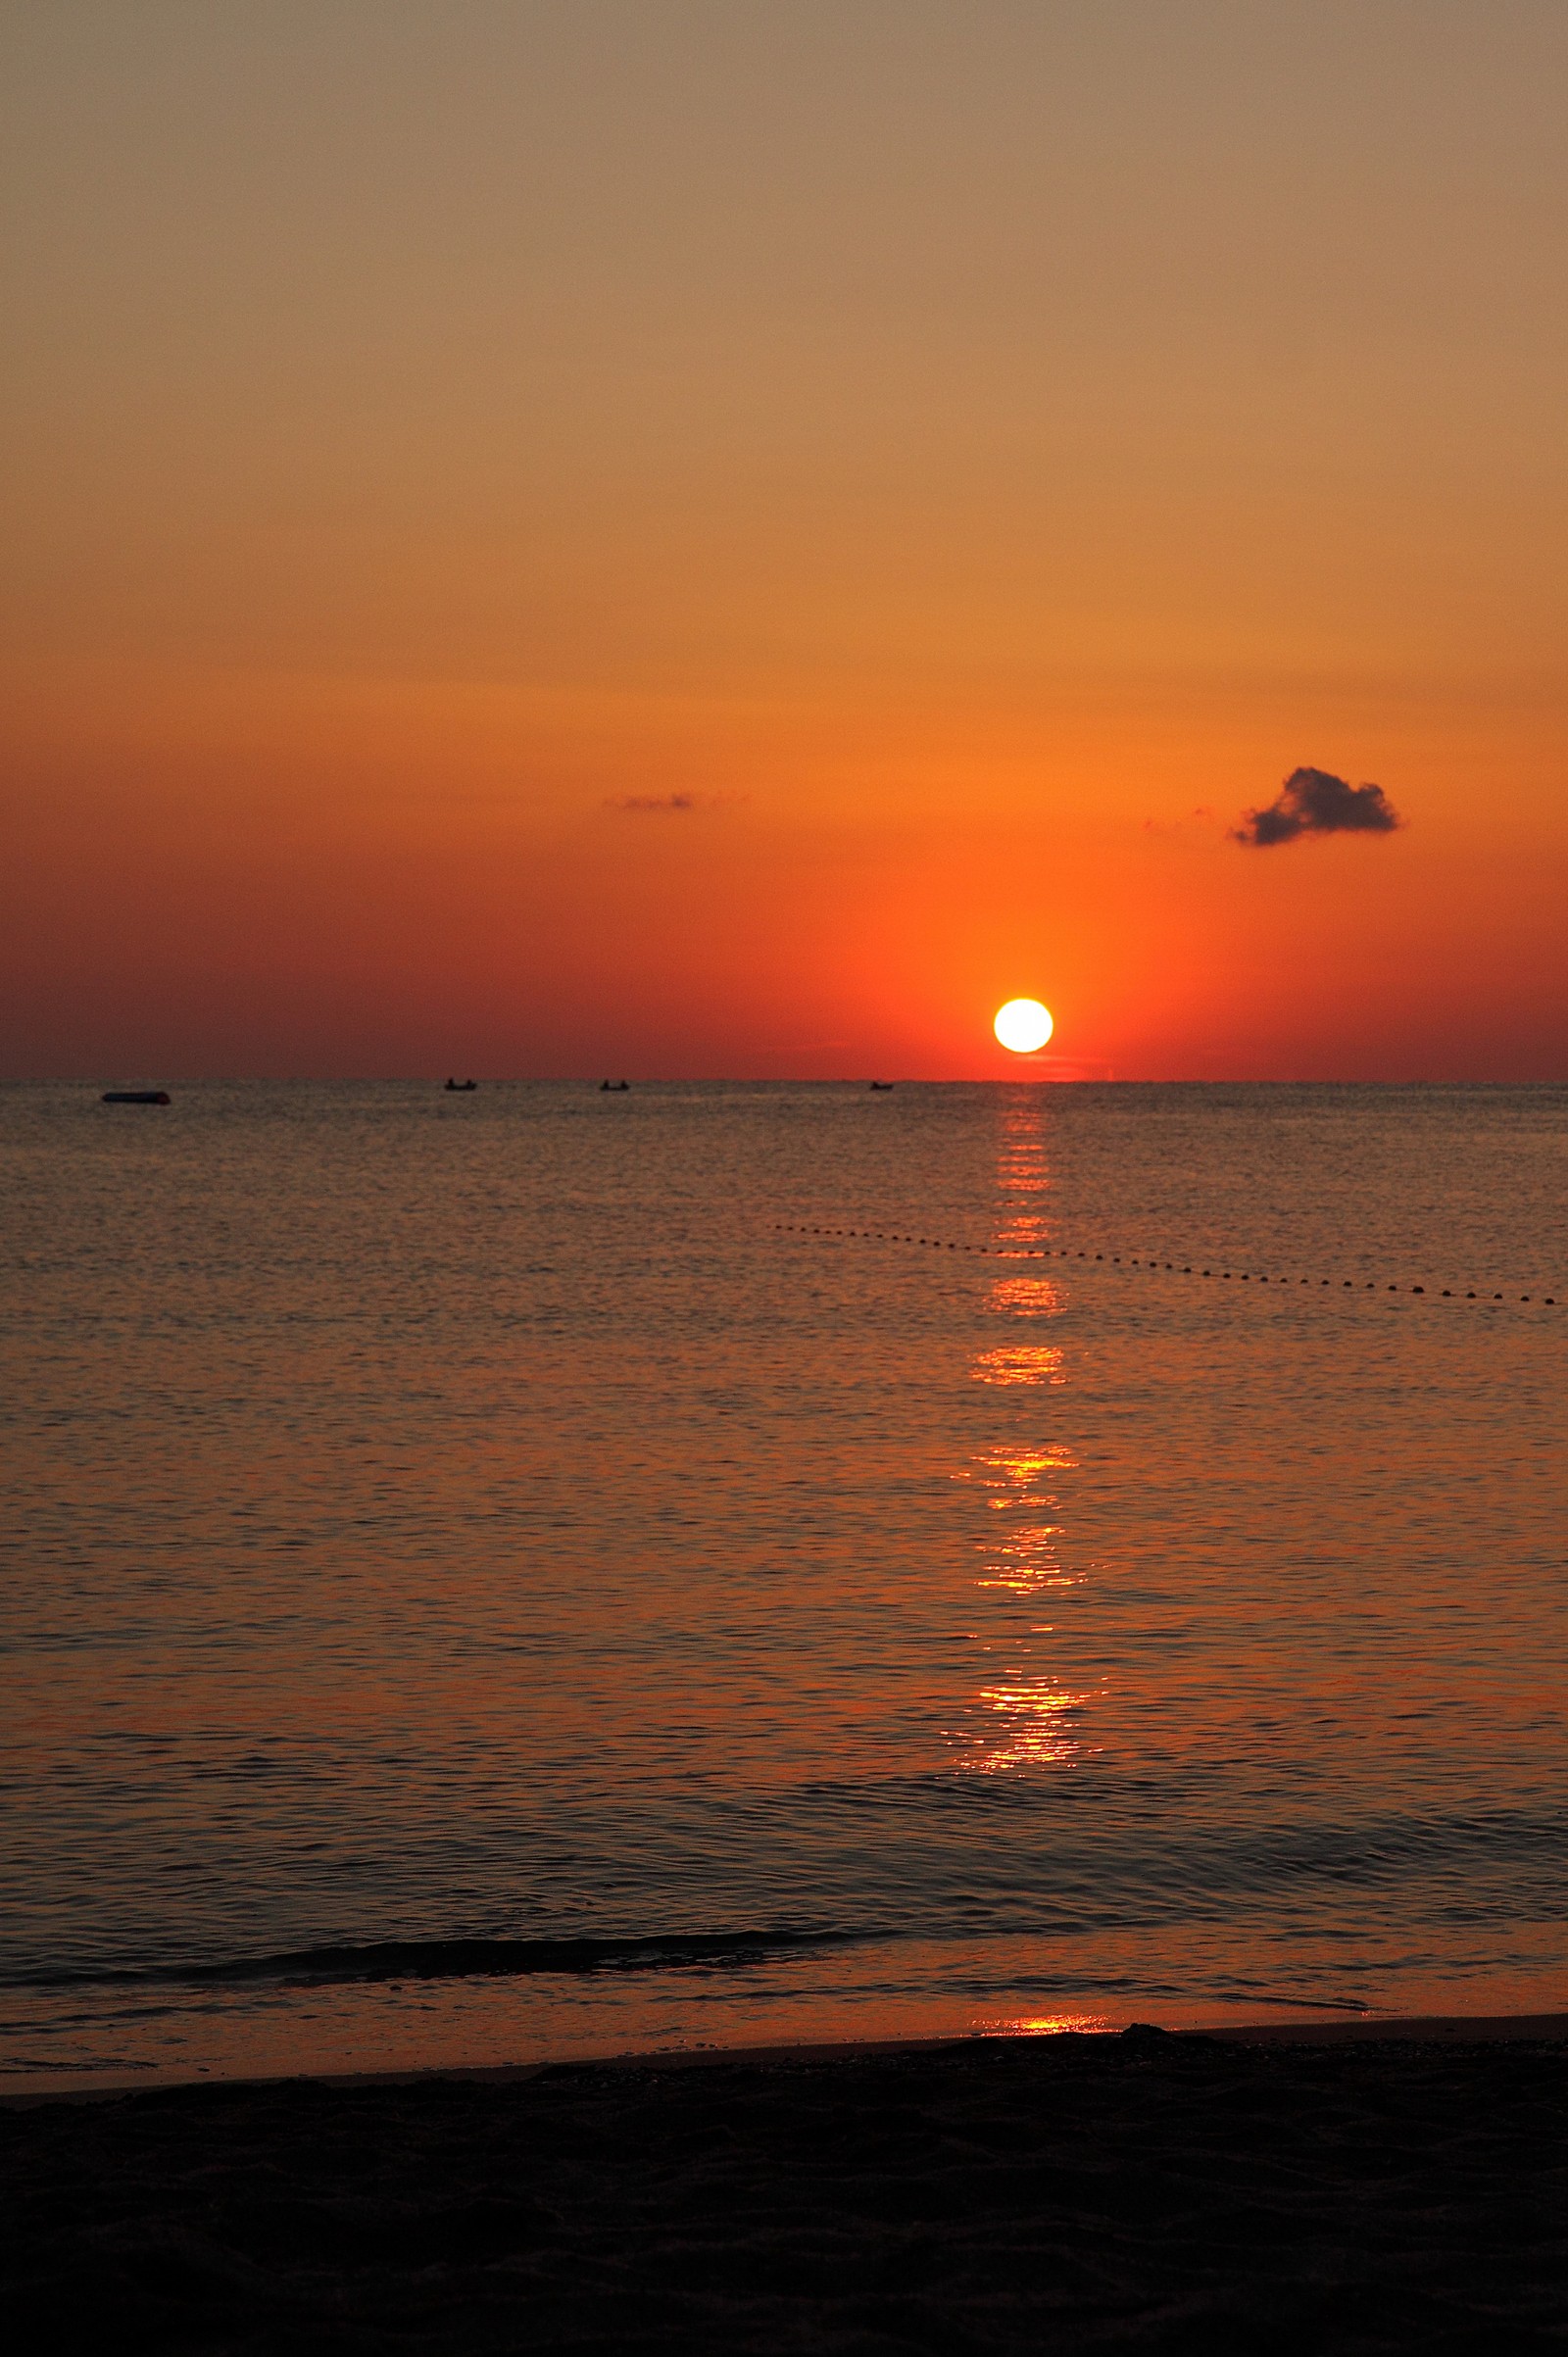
(545, 1572)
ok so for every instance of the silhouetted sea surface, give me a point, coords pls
(507, 1576)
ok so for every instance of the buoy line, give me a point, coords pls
(1180, 1268)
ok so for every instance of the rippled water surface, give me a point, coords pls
(515, 1574)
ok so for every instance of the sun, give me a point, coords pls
(1023, 1025)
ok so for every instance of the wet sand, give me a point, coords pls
(1379, 2188)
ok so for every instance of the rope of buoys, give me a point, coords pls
(1182, 1268)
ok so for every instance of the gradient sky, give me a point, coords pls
(650, 536)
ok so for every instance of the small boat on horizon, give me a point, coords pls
(616, 1088)
(882, 1086)
(136, 1097)
(461, 1088)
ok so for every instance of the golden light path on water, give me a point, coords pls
(1036, 1718)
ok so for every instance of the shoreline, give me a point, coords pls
(1435, 2028)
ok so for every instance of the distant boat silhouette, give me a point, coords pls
(881, 1084)
(136, 1097)
(461, 1088)
(616, 1088)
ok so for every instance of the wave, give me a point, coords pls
(456, 1959)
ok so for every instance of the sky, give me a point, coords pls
(703, 537)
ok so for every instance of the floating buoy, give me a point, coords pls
(1026, 1251)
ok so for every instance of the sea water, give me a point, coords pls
(549, 1572)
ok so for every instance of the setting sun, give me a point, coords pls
(1023, 1025)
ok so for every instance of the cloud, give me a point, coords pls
(672, 805)
(1314, 802)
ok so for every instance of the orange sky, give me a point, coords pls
(954, 460)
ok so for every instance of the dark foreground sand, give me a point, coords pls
(1142, 2191)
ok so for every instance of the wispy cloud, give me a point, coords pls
(1314, 802)
(672, 805)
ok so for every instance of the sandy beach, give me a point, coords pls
(1389, 2186)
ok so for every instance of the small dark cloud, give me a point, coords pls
(659, 806)
(1314, 802)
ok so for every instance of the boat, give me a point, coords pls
(882, 1084)
(462, 1088)
(136, 1097)
(616, 1088)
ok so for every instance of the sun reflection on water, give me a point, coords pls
(1022, 1173)
(1026, 1297)
(1022, 1556)
(1042, 2024)
(1024, 1717)
(1025, 1362)
(1038, 1726)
